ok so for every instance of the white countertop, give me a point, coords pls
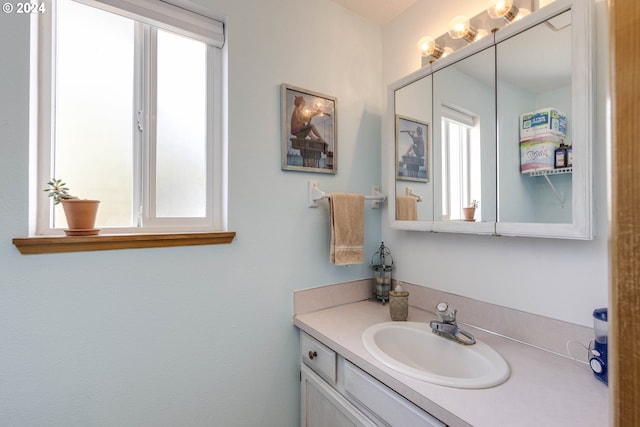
(544, 389)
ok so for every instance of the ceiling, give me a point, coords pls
(378, 11)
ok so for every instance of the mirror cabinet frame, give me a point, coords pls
(582, 107)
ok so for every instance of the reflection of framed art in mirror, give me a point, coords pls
(412, 146)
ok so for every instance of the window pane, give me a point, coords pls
(181, 146)
(94, 105)
(456, 169)
(461, 159)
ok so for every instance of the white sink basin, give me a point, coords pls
(412, 349)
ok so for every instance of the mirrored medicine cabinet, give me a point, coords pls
(471, 103)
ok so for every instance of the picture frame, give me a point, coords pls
(412, 149)
(312, 144)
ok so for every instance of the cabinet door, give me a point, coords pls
(322, 406)
(544, 101)
(389, 406)
(464, 144)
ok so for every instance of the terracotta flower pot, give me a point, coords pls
(81, 216)
(469, 213)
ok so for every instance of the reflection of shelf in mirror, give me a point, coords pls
(546, 172)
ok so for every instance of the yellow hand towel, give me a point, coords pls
(347, 228)
(406, 208)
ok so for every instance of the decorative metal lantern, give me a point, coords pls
(382, 266)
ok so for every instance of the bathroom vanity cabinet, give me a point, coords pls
(336, 393)
(342, 384)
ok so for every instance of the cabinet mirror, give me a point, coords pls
(413, 104)
(476, 100)
(529, 89)
(464, 143)
(544, 126)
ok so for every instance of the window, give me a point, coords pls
(130, 113)
(460, 163)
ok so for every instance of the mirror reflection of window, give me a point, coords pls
(461, 164)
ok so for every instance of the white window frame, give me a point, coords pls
(466, 123)
(159, 14)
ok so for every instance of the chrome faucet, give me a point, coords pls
(447, 327)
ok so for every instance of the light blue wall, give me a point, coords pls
(204, 335)
(192, 335)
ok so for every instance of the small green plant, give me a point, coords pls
(57, 191)
(474, 203)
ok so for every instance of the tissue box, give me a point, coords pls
(544, 121)
(538, 154)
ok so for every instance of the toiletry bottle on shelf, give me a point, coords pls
(561, 157)
(569, 156)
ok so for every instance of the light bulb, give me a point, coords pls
(502, 9)
(460, 28)
(428, 46)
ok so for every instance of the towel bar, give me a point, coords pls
(316, 194)
(409, 192)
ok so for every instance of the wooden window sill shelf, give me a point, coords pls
(56, 244)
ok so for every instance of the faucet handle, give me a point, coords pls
(446, 313)
(442, 307)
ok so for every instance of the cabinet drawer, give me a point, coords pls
(394, 409)
(318, 357)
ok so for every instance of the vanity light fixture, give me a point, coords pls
(470, 30)
(460, 28)
(481, 33)
(429, 47)
(522, 13)
(502, 9)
